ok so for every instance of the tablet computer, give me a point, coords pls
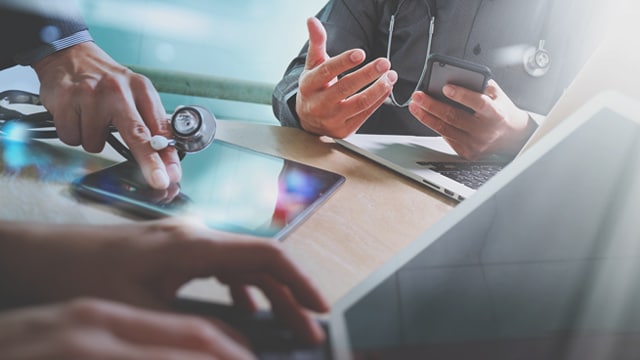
(228, 187)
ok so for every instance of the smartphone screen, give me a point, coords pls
(443, 70)
(229, 187)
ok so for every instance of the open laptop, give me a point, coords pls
(432, 162)
(502, 276)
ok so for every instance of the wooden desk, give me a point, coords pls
(373, 214)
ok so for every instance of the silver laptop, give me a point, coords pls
(541, 263)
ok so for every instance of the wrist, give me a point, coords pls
(33, 56)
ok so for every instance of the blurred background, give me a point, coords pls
(249, 40)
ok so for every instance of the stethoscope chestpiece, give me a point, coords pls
(194, 128)
(536, 60)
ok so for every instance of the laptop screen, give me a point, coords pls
(542, 263)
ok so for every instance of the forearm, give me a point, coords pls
(16, 250)
(34, 261)
(284, 94)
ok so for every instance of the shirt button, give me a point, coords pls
(477, 50)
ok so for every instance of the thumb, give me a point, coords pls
(317, 53)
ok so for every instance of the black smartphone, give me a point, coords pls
(228, 187)
(443, 70)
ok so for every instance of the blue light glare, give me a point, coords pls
(15, 155)
(40, 161)
(15, 131)
(301, 184)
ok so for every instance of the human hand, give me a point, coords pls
(497, 126)
(99, 329)
(146, 263)
(86, 91)
(337, 107)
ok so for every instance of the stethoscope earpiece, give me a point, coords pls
(536, 60)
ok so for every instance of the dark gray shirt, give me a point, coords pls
(495, 33)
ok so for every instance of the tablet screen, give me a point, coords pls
(229, 187)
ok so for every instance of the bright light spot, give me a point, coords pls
(49, 34)
(15, 131)
(510, 55)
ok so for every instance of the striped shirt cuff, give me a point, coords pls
(34, 55)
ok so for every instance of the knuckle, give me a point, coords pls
(87, 87)
(93, 147)
(363, 100)
(450, 113)
(325, 71)
(199, 331)
(69, 139)
(140, 80)
(139, 132)
(342, 88)
(86, 310)
(274, 252)
(346, 131)
(304, 82)
(111, 84)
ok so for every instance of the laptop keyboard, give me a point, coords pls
(472, 174)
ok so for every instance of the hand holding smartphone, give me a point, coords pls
(443, 70)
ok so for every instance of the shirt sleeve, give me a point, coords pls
(29, 36)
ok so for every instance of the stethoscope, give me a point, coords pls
(536, 59)
(193, 126)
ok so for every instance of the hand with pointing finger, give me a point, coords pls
(334, 105)
(86, 91)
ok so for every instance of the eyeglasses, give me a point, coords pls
(432, 22)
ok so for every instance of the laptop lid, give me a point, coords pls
(541, 263)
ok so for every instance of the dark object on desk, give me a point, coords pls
(269, 339)
(229, 187)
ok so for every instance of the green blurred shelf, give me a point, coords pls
(214, 87)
